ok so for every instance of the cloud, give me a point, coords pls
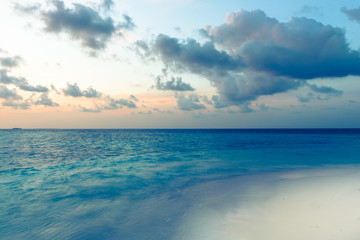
(218, 103)
(307, 98)
(161, 111)
(107, 4)
(12, 98)
(253, 55)
(193, 56)
(300, 48)
(26, 87)
(81, 23)
(128, 24)
(306, 9)
(111, 104)
(142, 49)
(20, 82)
(189, 103)
(16, 104)
(45, 101)
(90, 110)
(174, 84)
(237, 88)
(228, 74)
(8, 94)
(28, 9)
(325, 93)
(126, 103)
(10, 62)
(132, 97)
(73, 90)
(149, 112)
(325, 89)
(263, 107)
(353, 14)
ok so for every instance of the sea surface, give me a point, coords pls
(176, 184)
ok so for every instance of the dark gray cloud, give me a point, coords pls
(26, 87)
(353, 14)
(128, 24)
(6, 93)
(133, 98)
(111, 104)
(16, 104)
(126, 103)
(161, 111)
(174, 84)
(12, 98)
(189, 103)
(90, 110)
(218, 103)
(307, 98)
(229, 75)
(263, 107)
(10, 62)
(81, 22)
(142, 49)
(247, 86)
(20, 82)
(253, 55)
(325, 89)
(45, 101)
(324, 93)
(28, 8)
(206, 100)
(107, 4)
(300, 48)
(73, 90)
(306, 9)
(193, 56)
(149, 112)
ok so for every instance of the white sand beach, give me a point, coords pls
(309, 204)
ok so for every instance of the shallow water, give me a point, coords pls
(139, 184)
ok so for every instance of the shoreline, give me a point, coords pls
(321, 203)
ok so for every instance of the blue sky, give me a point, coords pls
(179, 64)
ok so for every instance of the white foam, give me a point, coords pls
(321, 204)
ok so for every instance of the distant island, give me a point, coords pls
(16, 128)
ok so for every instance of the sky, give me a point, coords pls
(179, 64)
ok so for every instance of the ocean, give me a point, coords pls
(246, 184)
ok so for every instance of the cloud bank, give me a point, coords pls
(253, 55)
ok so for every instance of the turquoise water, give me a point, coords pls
(138, 184)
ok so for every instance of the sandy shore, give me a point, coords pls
(308, 204)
